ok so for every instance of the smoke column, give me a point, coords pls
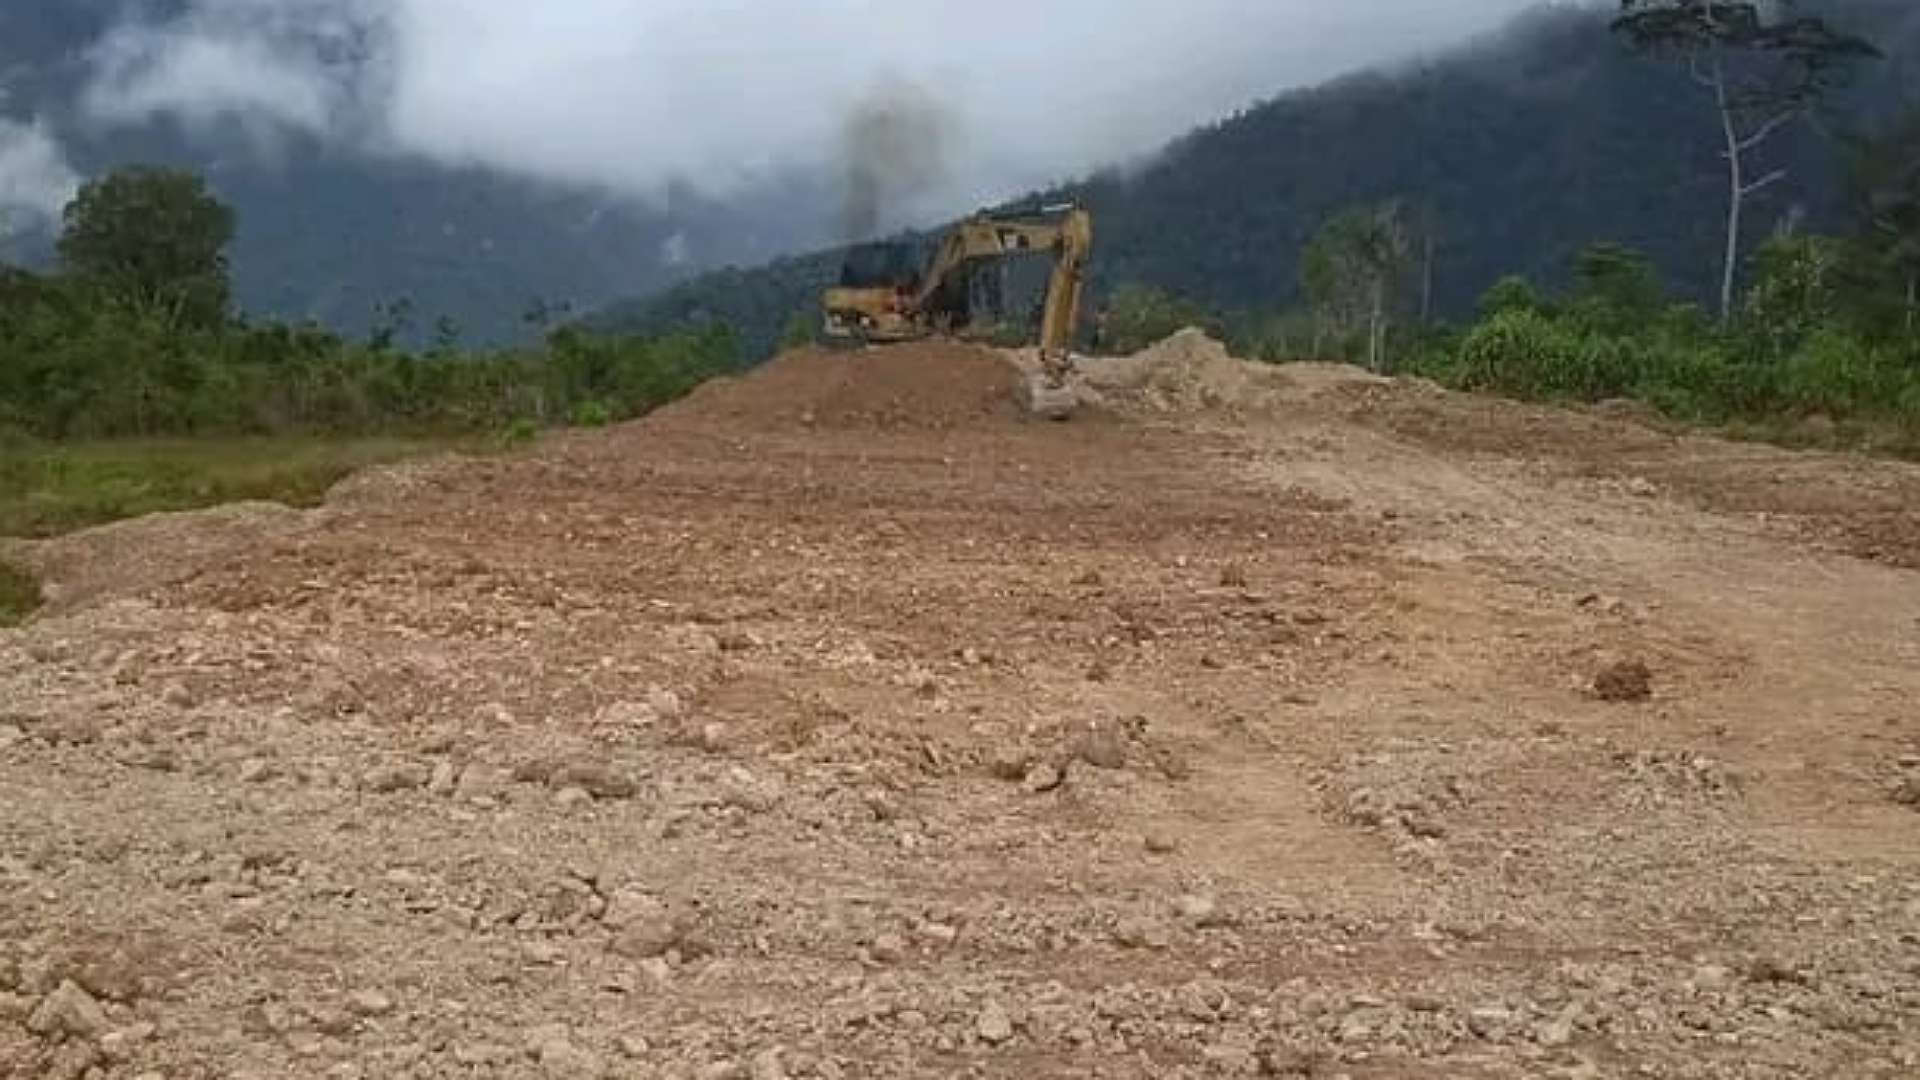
(895, 147)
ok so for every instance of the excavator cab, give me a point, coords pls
(878, 282)
(890, 264)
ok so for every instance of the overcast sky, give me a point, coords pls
(630, 94)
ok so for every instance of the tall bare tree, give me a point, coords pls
(1764, 65)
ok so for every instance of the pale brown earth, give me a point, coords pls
(841, 722)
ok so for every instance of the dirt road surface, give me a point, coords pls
(841, 722)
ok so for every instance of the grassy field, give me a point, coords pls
(52, 488)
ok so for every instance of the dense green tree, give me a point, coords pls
(1796, 288)
(1355, 270)
(1615, 287)
(1510, 293)
(1885, 191)
(154, 240)
(1137, 316)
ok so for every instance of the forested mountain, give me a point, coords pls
(328, 233)
(1519, 150)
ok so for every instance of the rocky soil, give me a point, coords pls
(840, 722)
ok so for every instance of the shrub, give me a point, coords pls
(519, 432)
(1137, 316)
(592, 414)
(1510, 293)
(1518, 351)
(1840, 376)
(106, 371)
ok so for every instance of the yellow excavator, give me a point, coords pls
(883, 297)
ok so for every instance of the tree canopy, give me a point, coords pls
(154, 239)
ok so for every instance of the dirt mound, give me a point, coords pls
(921, 386)
(398, 484)
(1191, 372)
(128, 557)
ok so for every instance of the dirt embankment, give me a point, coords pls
(939, 386)
(840, 721)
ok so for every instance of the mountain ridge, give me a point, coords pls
(329, 233)
(1523, 147)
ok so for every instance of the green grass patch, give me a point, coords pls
(19, 595)
(52, 488)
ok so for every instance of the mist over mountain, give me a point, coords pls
(328, 231)
(471, 156)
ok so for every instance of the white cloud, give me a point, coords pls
(635, 94)
(35, 180)
(262, 63)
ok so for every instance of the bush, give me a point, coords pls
(1139, 315)
(1510, 293)
(592, 414)
(1518, 351)
(520, 432)
(78, 368)
(1842, 377)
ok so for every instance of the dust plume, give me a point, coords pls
(895, 147)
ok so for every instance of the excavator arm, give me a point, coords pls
(1064, 232)
(1064, 294)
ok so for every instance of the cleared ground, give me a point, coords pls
(840, 722)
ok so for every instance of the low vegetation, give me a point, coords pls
(83, 366)
(52, 488)
(129, 385)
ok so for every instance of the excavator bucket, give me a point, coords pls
(1047, 398)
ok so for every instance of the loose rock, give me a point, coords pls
(1139, 932)
(1103, 747)
(993, 1025)
(1010, 763)
(369, 1003)
(1554, 1033)
(768, 1066)
(388, 779)
(889, 948)
(1626, 681)
(120, 1045)
(68, 1011)
(1490, 1022)
(1043, 778)
(644, 935)
(1197, 911)
(598, 780)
